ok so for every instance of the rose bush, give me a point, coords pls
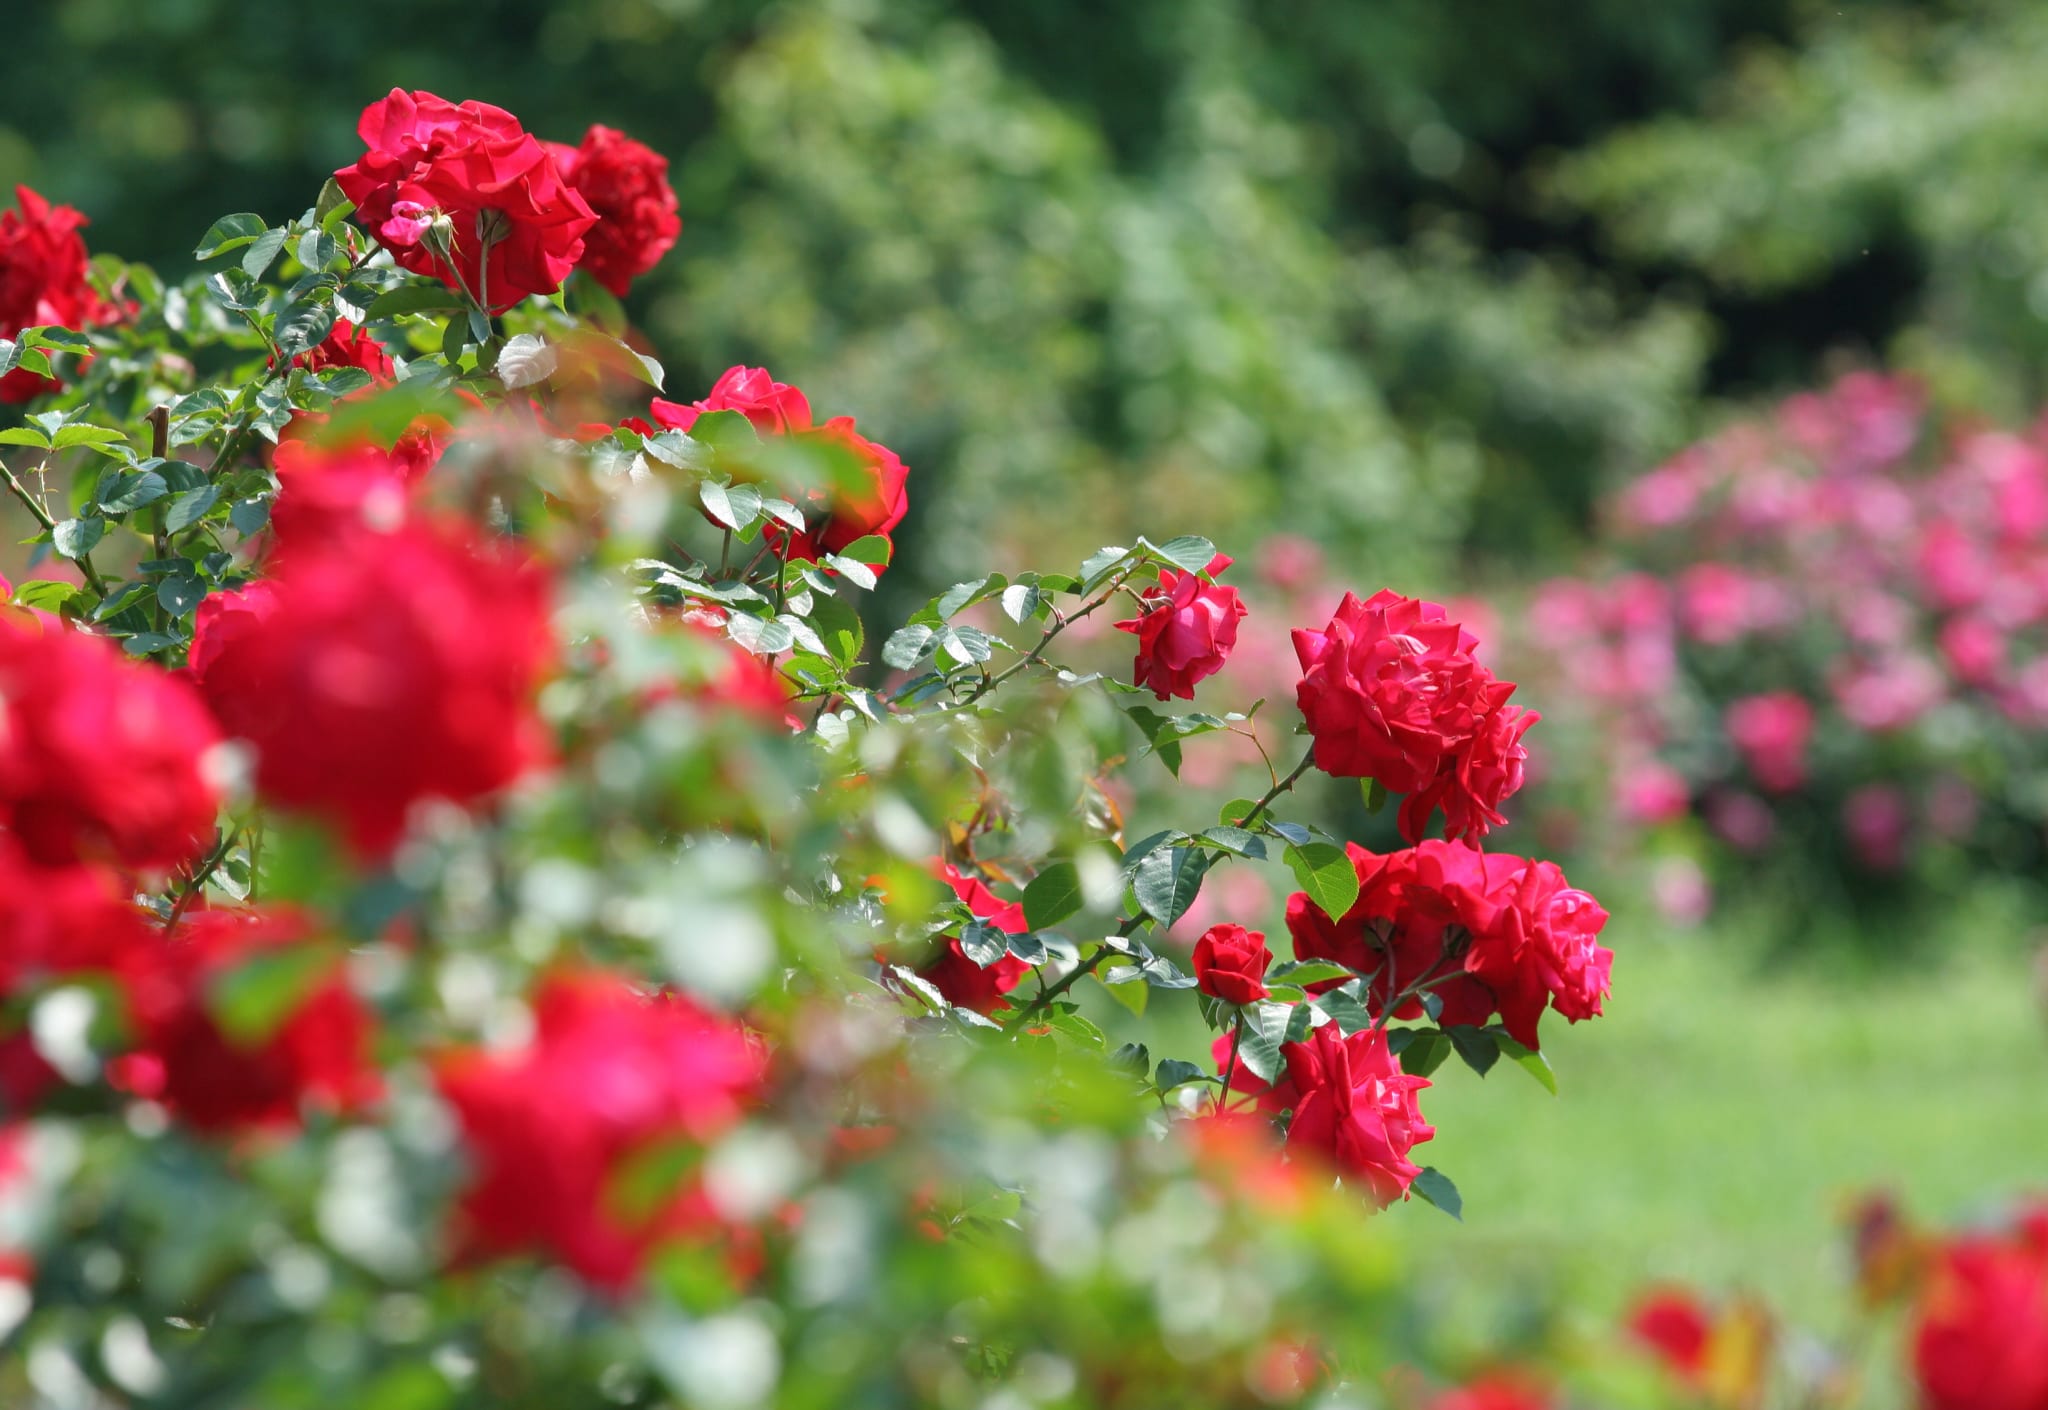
(491, 919)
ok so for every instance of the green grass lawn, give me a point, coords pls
(1711, 1126)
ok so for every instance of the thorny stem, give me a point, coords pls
(1279, 787)
(42, 516)
(199, 878)
(1046, 997)
(1230, 1068)
(1060, 623)
(1431, 977)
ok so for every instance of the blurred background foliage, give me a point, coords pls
(1417, 276)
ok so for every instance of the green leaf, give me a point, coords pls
(1236, 840)
(966, 645)
(23, 436)
(1266, 1025)
(1375, 794)
(1425, 1052)
(1326, 874)
(1309, 971)
(1236, 811)
(132, 491)
(302, 326)
(1178, 1072)
(74, 538)
(1053, 895)
(1099, 567)
(838, 627)
(249, 515)
(230, 232)
(45, 594)
(262, 250)
(1476, 1046)
(735, 506)
(121, 598)
(1074, 1026)
(147, 643)
(983, 943)
(1134, 1059)
(331, 205)
(235, 290)
(961, 596)
(759, 635)
(1022, 601)
(179, 595)
(907, 646)
(1343, 1006)
(1436, 1187)
(1168, 880)
(871, 549)
(1528, 1059)
(190, 507)
(1189, 552)
(86, 435)
(414, 297)
(860, 574)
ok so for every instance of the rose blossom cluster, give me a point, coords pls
(107, 785)
(1391, 690)
(1485, 933)
(1859, 601)
(462, 193)
(43, 282)
(865, 496)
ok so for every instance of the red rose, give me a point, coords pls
(1415, 909)
(626, 184)
(1185, 632)
(316, 1051)
(871, 501)
(387, 669)
(54, 923)
(100, 756)
(1487, 770)
(1672, 1324)
(1484, 932)
(612, 1082)
(327, 493)
(43, 283)
(1391, 691)
(1535, 947)
(1980, 1335)
(349, 346)
(1772, 732)
(1357, 1109)
(1230, 964)
(62, 921)
(441, 182)
(774, 408)
(871, 497)
(959, 979)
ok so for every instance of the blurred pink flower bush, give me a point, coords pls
(1821, 633)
